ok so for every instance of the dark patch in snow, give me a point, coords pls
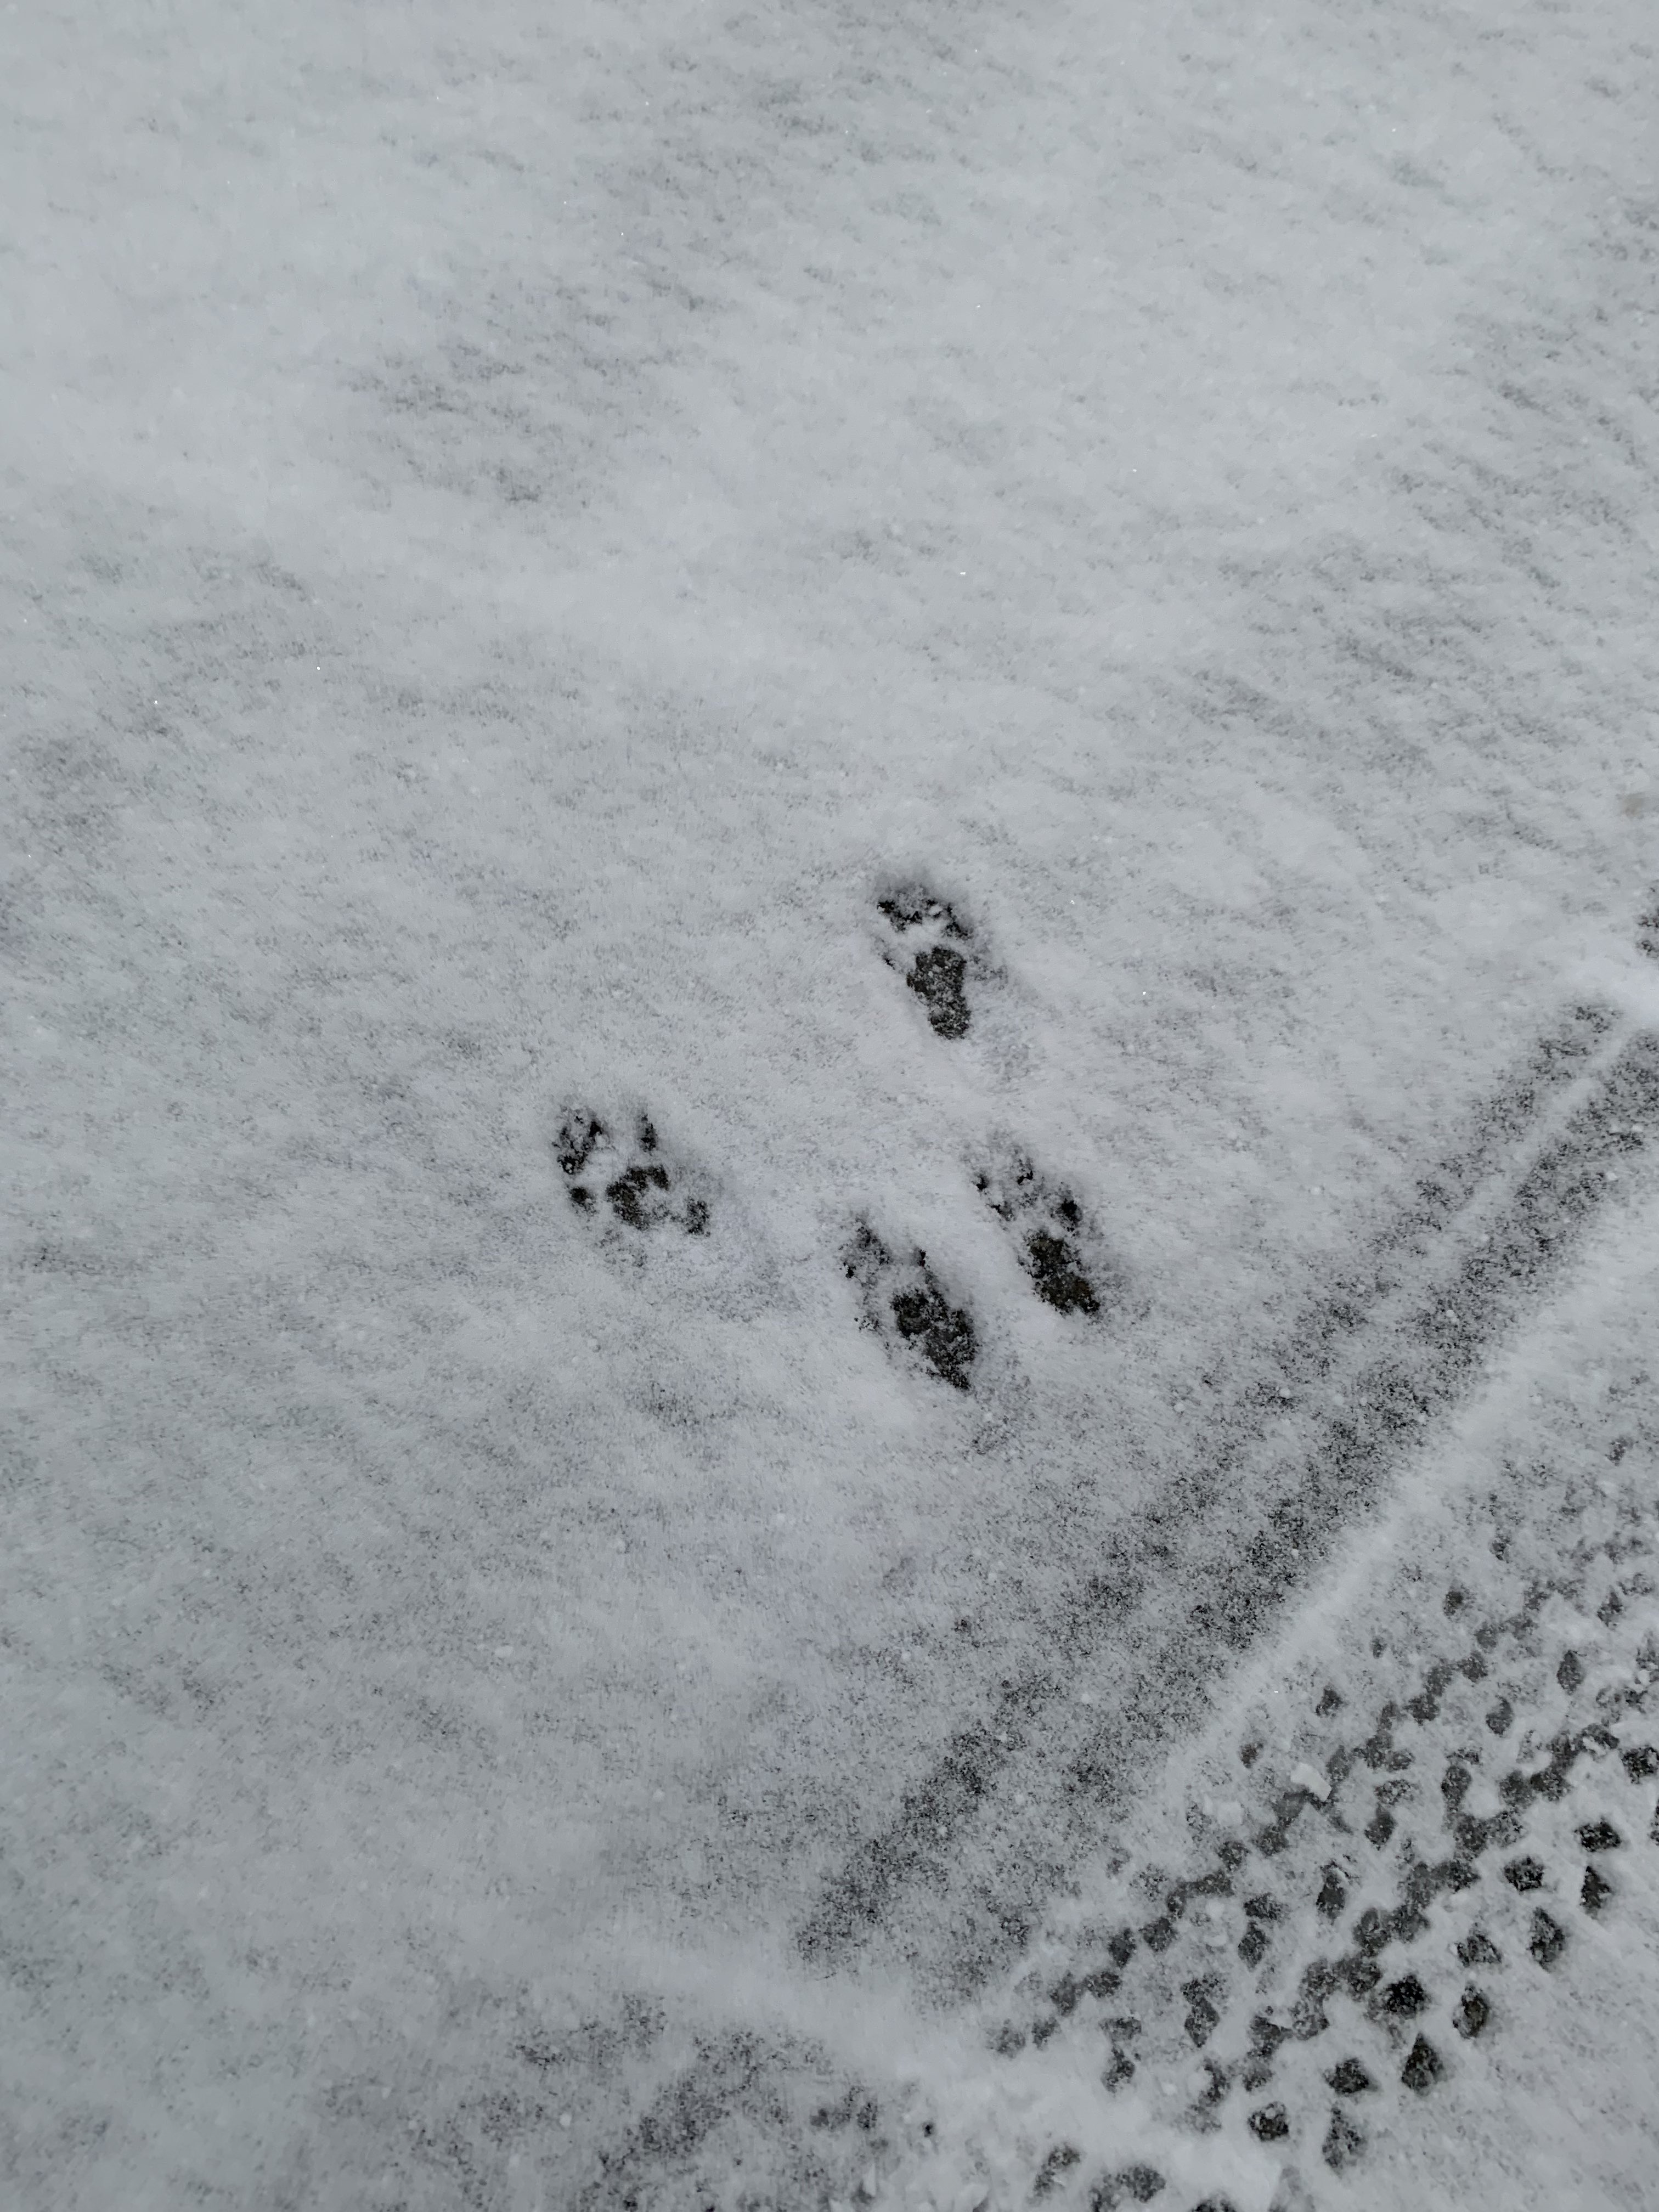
(1403, 1999)
(1478, 1949)
(644, 1189)
(1218, 2080)
(905, 1303)
(1343, 2142)
(1473, 2011)
(1423, 2067)
(854, 2104)
(1349, 2078)
(941, 956)
(1061, 2159)
(1135, 2185)
(1548, 1940)
(1050, 1230)
(1475, 1836)
(740, 2076)
(1204, 1998)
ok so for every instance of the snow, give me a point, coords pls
(1554, 2108)
(518, 529)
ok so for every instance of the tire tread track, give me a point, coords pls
(1527, 1230)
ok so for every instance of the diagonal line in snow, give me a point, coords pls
(1354, 1385)
(1493, 1220)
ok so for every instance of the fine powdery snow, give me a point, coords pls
(831, 1031)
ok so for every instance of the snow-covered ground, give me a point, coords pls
(1529, 1534)
(523, 528)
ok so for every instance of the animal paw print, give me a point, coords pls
(1050, 1232)
(643, 1189)
(906, 1303)
(940, 946)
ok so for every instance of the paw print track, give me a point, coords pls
(643, 1189)
(905, 1303)
(941, 957)
(1049, 1229)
